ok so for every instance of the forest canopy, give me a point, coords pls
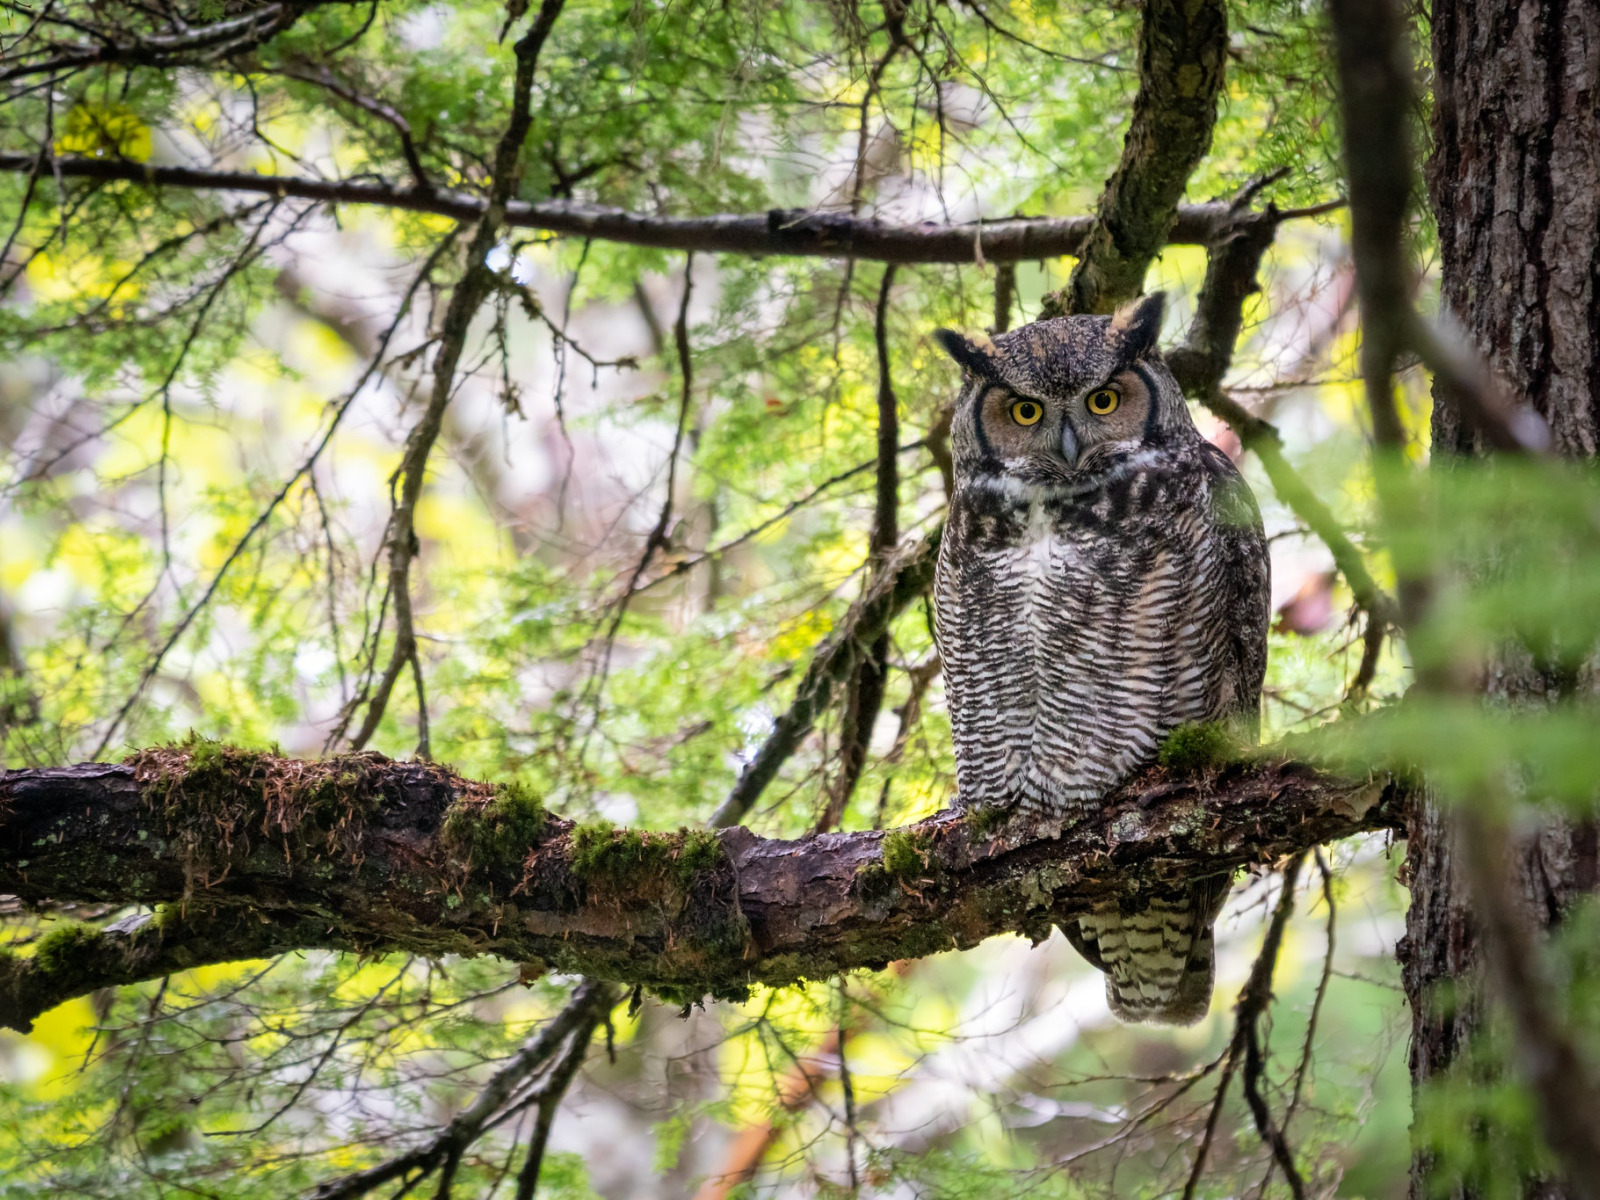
(470, 710)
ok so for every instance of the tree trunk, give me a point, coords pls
(1514, 182)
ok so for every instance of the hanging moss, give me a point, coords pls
(684, 999)
(67, 949)
(499, 834)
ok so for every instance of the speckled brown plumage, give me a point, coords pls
(1103, 580)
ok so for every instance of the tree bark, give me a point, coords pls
(252, 854)
(1514, 183)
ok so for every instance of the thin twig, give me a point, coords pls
(571, 1027)
(551, 1095)
(1253, 1002)
(864, 692)
(658, 536)
(1245, 1047)
(788, 510)
(321, 76)
(907, 574)
(1322, 988)
(474, 287)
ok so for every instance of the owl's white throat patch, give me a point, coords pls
(1039, 539)
(1022, 491)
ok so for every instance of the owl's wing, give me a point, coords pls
(980, 604)
(1236, 519)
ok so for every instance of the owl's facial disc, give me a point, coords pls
(1110, 417)
(1060, 401)
(1013, 433)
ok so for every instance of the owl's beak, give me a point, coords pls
(1069, 445)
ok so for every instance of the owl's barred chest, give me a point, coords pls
(1052, 552)
(1075, 636)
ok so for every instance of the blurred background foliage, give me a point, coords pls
(170, 360)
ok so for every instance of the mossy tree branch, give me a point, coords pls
(256, 854)
(1183, 47)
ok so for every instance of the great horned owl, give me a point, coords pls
(1103, 580)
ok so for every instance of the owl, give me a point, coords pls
(1103, 579)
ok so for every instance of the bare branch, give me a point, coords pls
(278, 498)
(143, 946)
(1201, 363)
(864, 694)
(1308, 1046)
(1245, 1047)
(193, 47)
(557, 1048)
(1253, 1002)
(793, 232)
(550, 1095)
(1233, 261)
(902, 578)
(469, 294)
(324, 78)
(684, 565)
(885, 518)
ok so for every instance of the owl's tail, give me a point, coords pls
(1156, 950)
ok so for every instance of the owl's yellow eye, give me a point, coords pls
(1027, 412)
(1104, 402)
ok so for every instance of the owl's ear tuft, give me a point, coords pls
(1137, 325)
(975, 354)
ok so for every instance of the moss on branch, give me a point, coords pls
(496, 831)
(256, 853)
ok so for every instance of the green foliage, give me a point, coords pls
(367, 1022)
(207, 341)
(1481, 1120)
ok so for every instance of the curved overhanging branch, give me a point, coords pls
(793, 232)
(112, 46)
(1183, 46)
(252, 854)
